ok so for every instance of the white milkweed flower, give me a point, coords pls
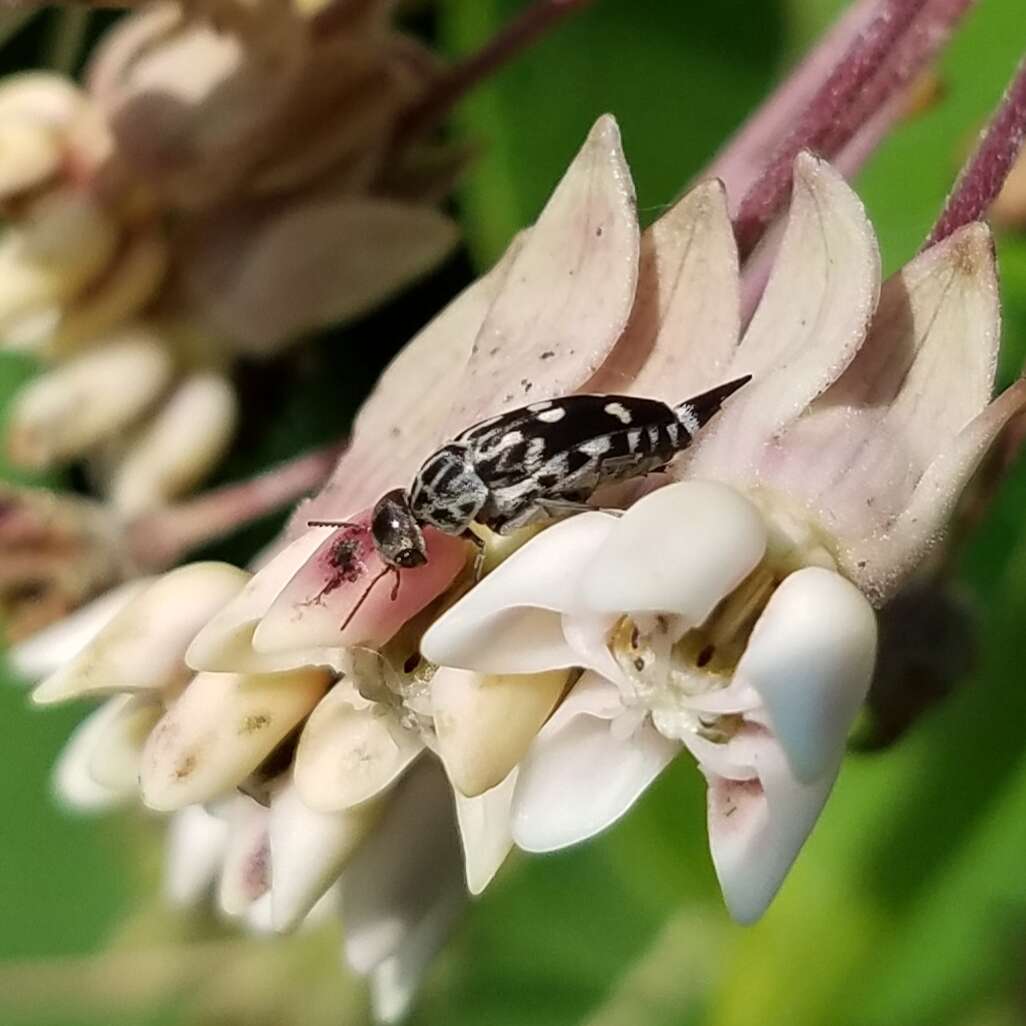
(729, 612)
(732, 613)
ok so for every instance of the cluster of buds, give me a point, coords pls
(226, 180)
(391, 758)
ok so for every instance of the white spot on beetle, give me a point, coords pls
(553, 416)
(618, 410)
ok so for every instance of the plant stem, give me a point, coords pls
(740, 162)
(824, 112)
(983, 176)
(161, 538)
(533, 23)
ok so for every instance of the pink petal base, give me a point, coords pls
(313, 606)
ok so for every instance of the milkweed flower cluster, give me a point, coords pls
(728, 612)
(197, 201)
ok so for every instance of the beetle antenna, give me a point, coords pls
(334, 523)
(363, 598)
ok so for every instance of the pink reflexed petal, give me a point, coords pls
(585, 769)
(510, 622)
(311, 609)
(569, 291)
(403, 420)
(685, 322)
(810, 323)
(925, 371)
(878, 564)
(810, 659)
(759, 818)
(246, 872)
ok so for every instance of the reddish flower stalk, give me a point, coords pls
(824, 112)
(866, 122)
(159, 540)
(532, 24)
(983, 176)
(740, 162)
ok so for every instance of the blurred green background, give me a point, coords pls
(907, 906)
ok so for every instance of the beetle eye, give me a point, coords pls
(410, 558)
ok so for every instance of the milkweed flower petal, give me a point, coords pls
(588, 765)
(85, 401)
(759, 815)
(485, 827)
(351, 750)
(221, 727)
(196, 844)
(800, 339)
(485, 723)
(569, 290)
(308, 851)
(179, 446)
(224, 643)
(142, 647)
(686, 319)
(680, 549)
(512, 620)
(316, 607)
(810, 659)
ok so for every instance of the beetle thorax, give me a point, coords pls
(447, 492)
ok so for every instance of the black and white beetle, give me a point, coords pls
(532, 464)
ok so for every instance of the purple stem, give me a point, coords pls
(983, 176)
(531, 24)
(883, 92)
(740, 162)
(160, 539)
(857, 132)
(822, 116)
